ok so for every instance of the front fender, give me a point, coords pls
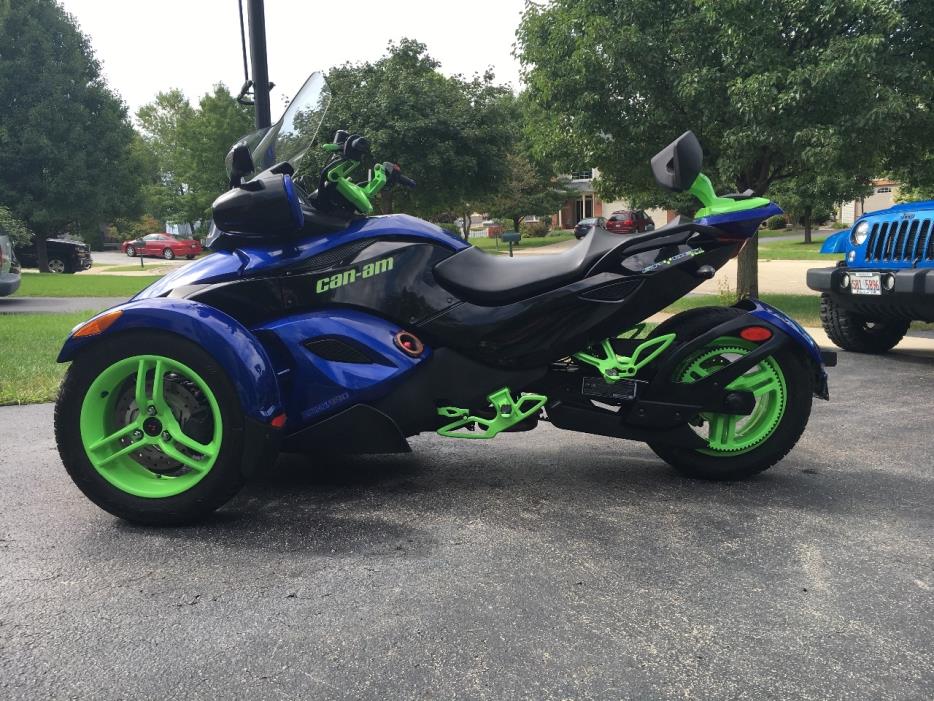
(224, 338)
(836, 243)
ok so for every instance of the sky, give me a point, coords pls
(146, 47)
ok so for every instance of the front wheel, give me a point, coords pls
(854, 332)
(131, 251)
(741, 446)
(168, 254)
(58, 266)
(150, 428)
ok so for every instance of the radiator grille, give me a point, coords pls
(905, 240)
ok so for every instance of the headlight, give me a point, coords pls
(860, 233)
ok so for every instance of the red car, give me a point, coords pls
(629, 221)
(162, 245)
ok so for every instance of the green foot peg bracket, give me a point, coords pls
(509, 412)
(615, 367)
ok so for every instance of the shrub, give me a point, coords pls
(451, 227)
(534, 229)
(776, 222)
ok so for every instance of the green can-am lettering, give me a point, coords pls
(113, 439)
(508, 413)
(703, 190)
(342, 278)
(730, 434)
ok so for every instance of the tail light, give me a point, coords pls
(628, 222)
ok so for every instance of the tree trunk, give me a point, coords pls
(465, 225)
(515, 223)
(808, 213)
(385, 201)
(747, 269)
(42, 254)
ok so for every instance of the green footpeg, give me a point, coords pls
(615, 367)
(509, 412)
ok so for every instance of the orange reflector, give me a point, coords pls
(98, 324)
(756, 334)
(278, 421)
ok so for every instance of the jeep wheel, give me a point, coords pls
(854, 332)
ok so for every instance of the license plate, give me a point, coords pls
(865, 284)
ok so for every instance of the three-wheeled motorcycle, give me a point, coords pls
(315, 326)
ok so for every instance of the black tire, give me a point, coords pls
(131, 251)
(854, 332)
(799, 380)
(190, 257)
(217, 487)
(168, 254)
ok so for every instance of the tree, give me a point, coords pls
(18, 232)
(189, 146)
(526, 192)
(802, 197)
(449, 134)
(65, 138)
(760, 84)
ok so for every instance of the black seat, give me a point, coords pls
(493, 280)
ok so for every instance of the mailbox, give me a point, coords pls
(511, 237)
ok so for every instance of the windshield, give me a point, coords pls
(291, 137)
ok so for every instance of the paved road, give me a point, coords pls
(33, 305)
(544, 565)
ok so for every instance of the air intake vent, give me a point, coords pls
(335, 257)
(344, 350)
(904, 240)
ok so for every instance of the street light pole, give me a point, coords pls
(257, 19)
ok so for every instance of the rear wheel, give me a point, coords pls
(854, 332)
(150, 429)
(168, 254)
(740, 446)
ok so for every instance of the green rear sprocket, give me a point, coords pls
(731, 434)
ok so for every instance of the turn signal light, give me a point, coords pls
(278, 421)
(756, 334)
(98, 324)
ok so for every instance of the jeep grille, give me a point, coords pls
(905, 240)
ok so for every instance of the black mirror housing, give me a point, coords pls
(239, 163)
(677, 166)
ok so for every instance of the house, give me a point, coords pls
(586, 203)
(884, 192)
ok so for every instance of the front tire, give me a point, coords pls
(150, 428)
(58, 266)
(740, 446)
(854, 332)
(131, 251)
(168, 254)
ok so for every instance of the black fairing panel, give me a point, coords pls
(402, 289)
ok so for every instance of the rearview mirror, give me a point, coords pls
(239, 163)
(677, 166)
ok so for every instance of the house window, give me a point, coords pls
(582, 175)
(883, 190)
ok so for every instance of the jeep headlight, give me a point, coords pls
(860, 233)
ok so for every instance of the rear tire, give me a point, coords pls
(794, 389)
(148, 485)
(854, 332)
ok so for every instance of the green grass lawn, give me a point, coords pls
(82, 285)
(794, 250)
(489, 244)
(30, 343)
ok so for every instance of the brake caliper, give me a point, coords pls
(615, 367)
(509, 412)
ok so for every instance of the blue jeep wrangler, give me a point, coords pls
(884, 282)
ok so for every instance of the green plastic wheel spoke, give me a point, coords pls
(133, 395)
(115, 436)
(759, 383)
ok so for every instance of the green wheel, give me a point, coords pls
(740, 446)
(153, 435)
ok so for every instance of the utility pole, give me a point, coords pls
(257, 19)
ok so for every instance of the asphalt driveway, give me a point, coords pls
(543, 565)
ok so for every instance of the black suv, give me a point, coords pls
(64, 256)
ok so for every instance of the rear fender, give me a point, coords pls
(224, 338)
